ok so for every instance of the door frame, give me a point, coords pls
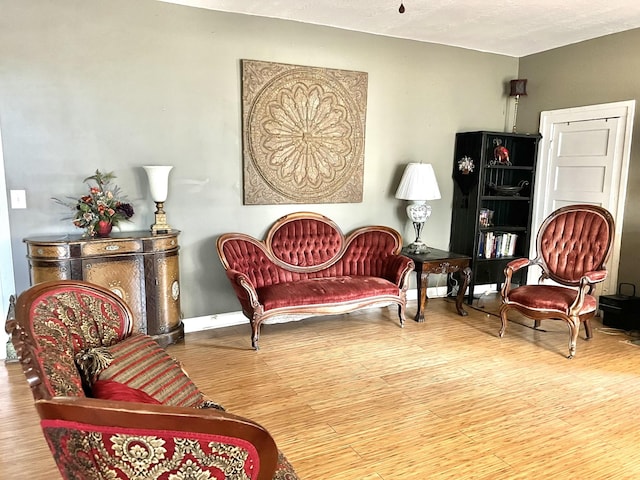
(7, 282)
(624, 110)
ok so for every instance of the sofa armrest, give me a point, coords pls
(86, 434)
(397, 268)
(244, 289)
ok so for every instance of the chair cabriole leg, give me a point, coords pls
(574, 329)
(587, 329)
(503, 318)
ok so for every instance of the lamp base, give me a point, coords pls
(418, 247)
(161, 225)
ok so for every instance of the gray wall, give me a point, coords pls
(115, 85)
(593, 72)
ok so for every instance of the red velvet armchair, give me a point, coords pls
(306, 267)
(149, 420)
(573, 244)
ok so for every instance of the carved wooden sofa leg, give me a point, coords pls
(255, 333)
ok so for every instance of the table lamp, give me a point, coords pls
(418, 185)
(159, 185)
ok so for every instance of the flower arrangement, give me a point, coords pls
(102, 208)
(465, 165)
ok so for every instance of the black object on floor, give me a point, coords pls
(621, 311)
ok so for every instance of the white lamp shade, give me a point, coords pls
(418, 183)
(158, 181)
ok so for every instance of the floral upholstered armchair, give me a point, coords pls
(117, 406)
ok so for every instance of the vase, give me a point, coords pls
(103, 228)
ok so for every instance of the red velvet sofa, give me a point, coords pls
(306, 267)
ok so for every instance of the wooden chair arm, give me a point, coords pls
(517, 264)
(595, 276)
(512, 267)
(586, 286)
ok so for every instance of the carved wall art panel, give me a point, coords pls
(303, 133)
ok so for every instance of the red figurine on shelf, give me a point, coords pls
(500, 153)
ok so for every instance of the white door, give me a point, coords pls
(6, 263)
(584, 158)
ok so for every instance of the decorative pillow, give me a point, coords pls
(141, 364)
(108, 390)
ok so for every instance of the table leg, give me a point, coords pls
(466, 277)
(421, 284)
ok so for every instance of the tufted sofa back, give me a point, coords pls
(305, 242)
(574, 240)
(56, 320)
(306, 245)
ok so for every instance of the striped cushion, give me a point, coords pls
(140, 363)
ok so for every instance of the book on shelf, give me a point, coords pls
(497, 244)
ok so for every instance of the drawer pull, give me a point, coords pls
(112, 248)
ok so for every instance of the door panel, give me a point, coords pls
(584, 139)
(582, 161)
(580, 179)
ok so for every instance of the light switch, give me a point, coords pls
(18, 199)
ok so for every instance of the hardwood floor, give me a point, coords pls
(357, 398)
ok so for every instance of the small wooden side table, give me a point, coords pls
(440, 262)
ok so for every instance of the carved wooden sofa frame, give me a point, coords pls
(100, 438)
(306, 267)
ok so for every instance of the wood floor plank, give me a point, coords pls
(356, 397)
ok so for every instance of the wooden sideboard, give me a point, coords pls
(141, 267)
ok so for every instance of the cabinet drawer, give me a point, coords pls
(46, 271)
(160, 244)
(48, 251)
(113, 247)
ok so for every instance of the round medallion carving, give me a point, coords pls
(175, 290)
(304, 134)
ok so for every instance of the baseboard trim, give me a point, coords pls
(231, 319)
(217, 320)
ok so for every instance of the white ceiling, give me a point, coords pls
(509, 27)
